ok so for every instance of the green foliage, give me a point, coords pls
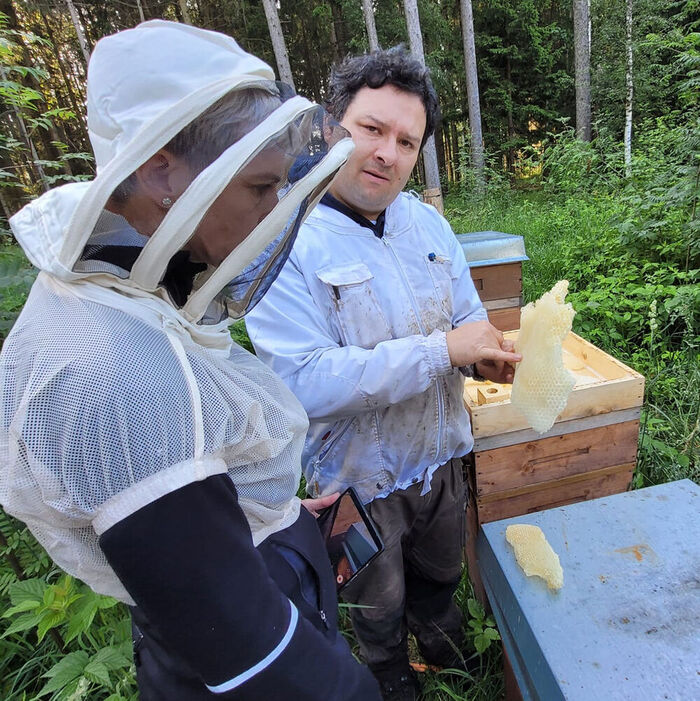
(660, 219)
(659, 30)
(571, 166)
(240, 335)
(487, 683)
(18, 546)
(629, 246)
(482, 627)
(525, 77)
(87, 655)
(16, 277)
(641, 310)
(27, 120)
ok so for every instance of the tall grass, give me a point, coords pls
(547, 224)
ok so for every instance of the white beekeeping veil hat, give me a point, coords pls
(147, 89)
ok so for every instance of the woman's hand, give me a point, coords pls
(313, 506)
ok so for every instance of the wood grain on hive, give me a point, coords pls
(500, 289)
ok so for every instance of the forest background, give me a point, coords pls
(624, 232)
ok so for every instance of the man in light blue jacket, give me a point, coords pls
(369, 323)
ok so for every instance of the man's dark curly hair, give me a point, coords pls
(393, 66)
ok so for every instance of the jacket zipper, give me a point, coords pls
(328, 445)
(414, 304)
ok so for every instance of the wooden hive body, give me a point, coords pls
(590, 451)
(500, 288)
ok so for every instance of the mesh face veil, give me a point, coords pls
(119, 382)
(225, 237)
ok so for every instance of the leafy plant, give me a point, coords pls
(16, 277)
(26, 115)
(482, 627)
(91, 652)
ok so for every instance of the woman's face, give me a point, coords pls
(244, 203)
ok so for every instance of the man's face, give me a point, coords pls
(387, 126)
(242, 205)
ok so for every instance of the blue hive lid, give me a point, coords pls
(626, 623)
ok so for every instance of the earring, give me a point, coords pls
(166, 202)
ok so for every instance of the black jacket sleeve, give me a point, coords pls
(189, 563)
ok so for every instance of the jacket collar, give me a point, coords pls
(397, 217)
(377, 228)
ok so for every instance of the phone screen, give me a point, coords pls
(351, 539)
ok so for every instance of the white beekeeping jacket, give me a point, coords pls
(113, 393)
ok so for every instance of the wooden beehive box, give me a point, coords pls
(589, 452)
(500, 288)
(495, 262)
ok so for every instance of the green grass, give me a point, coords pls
(449, 684)
(547, 225)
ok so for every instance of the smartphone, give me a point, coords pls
(351, 538)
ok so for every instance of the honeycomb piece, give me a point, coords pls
(542, 384)
(535, 555)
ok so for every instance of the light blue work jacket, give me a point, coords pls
(355, 325)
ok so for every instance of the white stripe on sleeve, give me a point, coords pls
(265, 662)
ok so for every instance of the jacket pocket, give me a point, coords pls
(440, 271)
(352, 298)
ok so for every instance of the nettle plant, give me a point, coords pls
(90, 635)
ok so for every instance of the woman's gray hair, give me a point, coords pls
(206, 137)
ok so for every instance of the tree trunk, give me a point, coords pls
(629, 83)
(74, 99)
(447, 150)
(454, 148)
(440, 149)
(368, 12)
(185, 12)
(278, 45)
(50, 151)
(78, 30)
(582, 62)
(6, 212)
(338, 30)
(84, 18)
(141, 15)
(477, 139)
(510, 153)
(433, 192)
(334, 43)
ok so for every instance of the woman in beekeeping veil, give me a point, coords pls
(150, 455)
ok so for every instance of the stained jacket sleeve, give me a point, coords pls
(293, 336)
(188, 561)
